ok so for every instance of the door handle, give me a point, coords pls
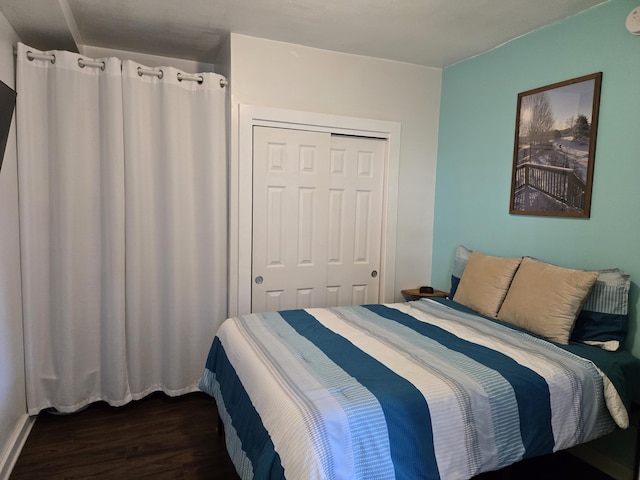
(374, 273)
(259, 279)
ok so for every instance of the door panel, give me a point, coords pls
(357, 179)
(289, 218)
(317, 210)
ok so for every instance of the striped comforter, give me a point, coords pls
(414, 390)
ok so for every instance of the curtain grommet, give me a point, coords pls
(40, 56)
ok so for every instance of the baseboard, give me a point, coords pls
(16, 442)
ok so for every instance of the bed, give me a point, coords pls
(415, 390)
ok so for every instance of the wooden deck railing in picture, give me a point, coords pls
(559, 183)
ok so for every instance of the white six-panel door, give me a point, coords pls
(290, 191)
(356, 169)
(317, 219)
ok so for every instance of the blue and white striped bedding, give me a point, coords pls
(414, 390)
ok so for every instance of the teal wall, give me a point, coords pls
(475, 150)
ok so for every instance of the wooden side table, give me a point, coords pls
(414, 293)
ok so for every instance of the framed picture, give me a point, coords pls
(554, 150)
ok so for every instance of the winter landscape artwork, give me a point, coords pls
(554, 149)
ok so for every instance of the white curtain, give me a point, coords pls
(175, 227)
(122, 190)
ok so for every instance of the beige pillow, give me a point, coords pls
(546, 299)
(484, 282)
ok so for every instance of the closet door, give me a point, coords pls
(290, 192)
(317, 216)
(355, 220)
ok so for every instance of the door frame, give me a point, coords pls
(241, 190)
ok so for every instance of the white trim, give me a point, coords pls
(16, 442)
(240, 190)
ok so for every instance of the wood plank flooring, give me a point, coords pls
(175, 438)
(155, 438)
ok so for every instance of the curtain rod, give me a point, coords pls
(52, 58)
(141, 71)
(90, 63)
(40, 56)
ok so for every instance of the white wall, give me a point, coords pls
(13, 416)
(288, 76)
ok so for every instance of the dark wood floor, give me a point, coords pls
(156, 438)
(175, 438)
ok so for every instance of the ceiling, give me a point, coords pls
(434, 33)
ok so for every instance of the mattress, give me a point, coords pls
(417, 390)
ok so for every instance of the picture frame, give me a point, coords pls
(554, 148)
